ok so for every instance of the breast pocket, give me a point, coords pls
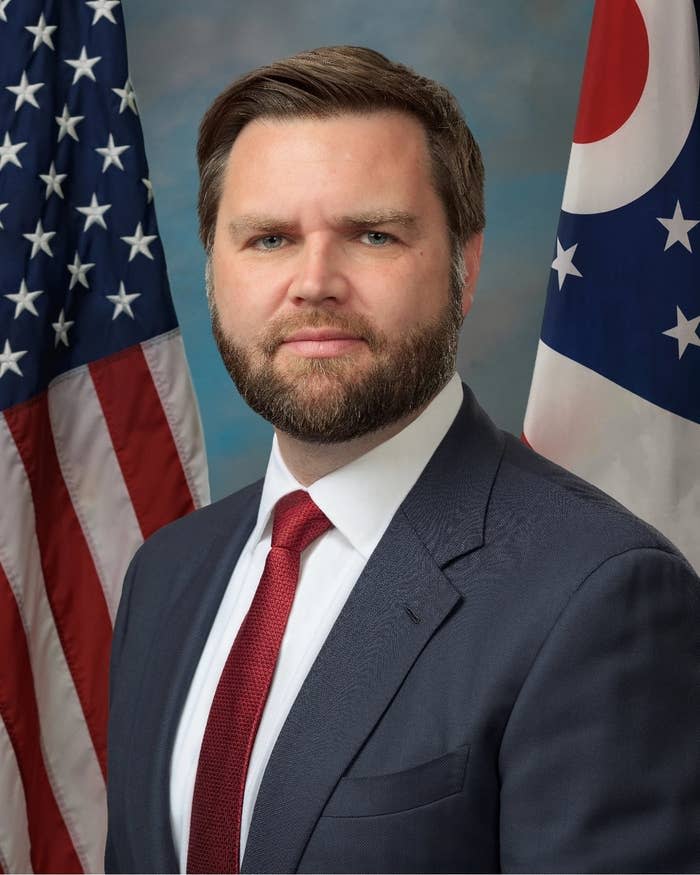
(398, 791)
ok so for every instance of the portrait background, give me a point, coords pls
(514, 65)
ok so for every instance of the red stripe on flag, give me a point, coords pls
(72, 584)
(51, 846)
(142, 439)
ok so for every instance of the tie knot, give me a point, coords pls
(297, 522)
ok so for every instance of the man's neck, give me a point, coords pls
(308, 462)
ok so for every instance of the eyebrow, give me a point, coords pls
(379, 217)
(263, 224)
(258, 224)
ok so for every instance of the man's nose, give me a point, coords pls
(319, 275)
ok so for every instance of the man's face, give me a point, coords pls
(331, 297)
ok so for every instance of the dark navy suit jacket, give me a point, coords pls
(513, 684)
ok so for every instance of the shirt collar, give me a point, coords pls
(361, 498)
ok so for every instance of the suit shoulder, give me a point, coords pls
(202, 525)
(567, 513)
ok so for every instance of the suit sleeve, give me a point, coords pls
(115, 764)
(600, 759)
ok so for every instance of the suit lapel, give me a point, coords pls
(447, 506)
(370, 648)
(192, 603)
(396, 606)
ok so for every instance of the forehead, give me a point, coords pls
(382, 152)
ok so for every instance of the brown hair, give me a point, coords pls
(339, 79)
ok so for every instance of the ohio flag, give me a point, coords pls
(615, 393)
(100, 442)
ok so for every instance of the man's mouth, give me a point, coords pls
(321, 342)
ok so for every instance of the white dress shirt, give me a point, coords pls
(360, 500)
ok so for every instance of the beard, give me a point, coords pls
(331, 400)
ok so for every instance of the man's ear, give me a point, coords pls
(472, 262)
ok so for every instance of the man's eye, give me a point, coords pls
(269, 241)
(377, 238)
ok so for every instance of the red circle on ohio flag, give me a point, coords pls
(616, 70)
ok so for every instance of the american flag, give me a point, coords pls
(100, 440)
(615, 393)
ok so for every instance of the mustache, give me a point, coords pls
(352, 323)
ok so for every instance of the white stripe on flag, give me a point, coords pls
(68, 750)
(14, 830)
(632, 449)
(167, 362)
(94, 479)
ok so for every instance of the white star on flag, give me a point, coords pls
(83, 66)
(42, 33)
(67, 123)
(78, 272)
(94, 213)
(24, 300)
(111, 154)
(61, 328)
(103, 9)
(149, 189)
(3, 6)
(685, 331)
(9, 359)
(678, 227)
(139, 243)
(564, 263)
(2, 207)
(25, 92)
(8, 152)
(122, 302)
(53, 181)
(128, 96)
(40, 240)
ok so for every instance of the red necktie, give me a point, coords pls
(215, 828)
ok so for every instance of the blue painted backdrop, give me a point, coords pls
(515, 68)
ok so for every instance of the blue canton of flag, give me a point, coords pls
(615, 390)
(624, 301)
(82, 272)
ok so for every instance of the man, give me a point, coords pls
(416, 646)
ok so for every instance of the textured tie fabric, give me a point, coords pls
(215, 827)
